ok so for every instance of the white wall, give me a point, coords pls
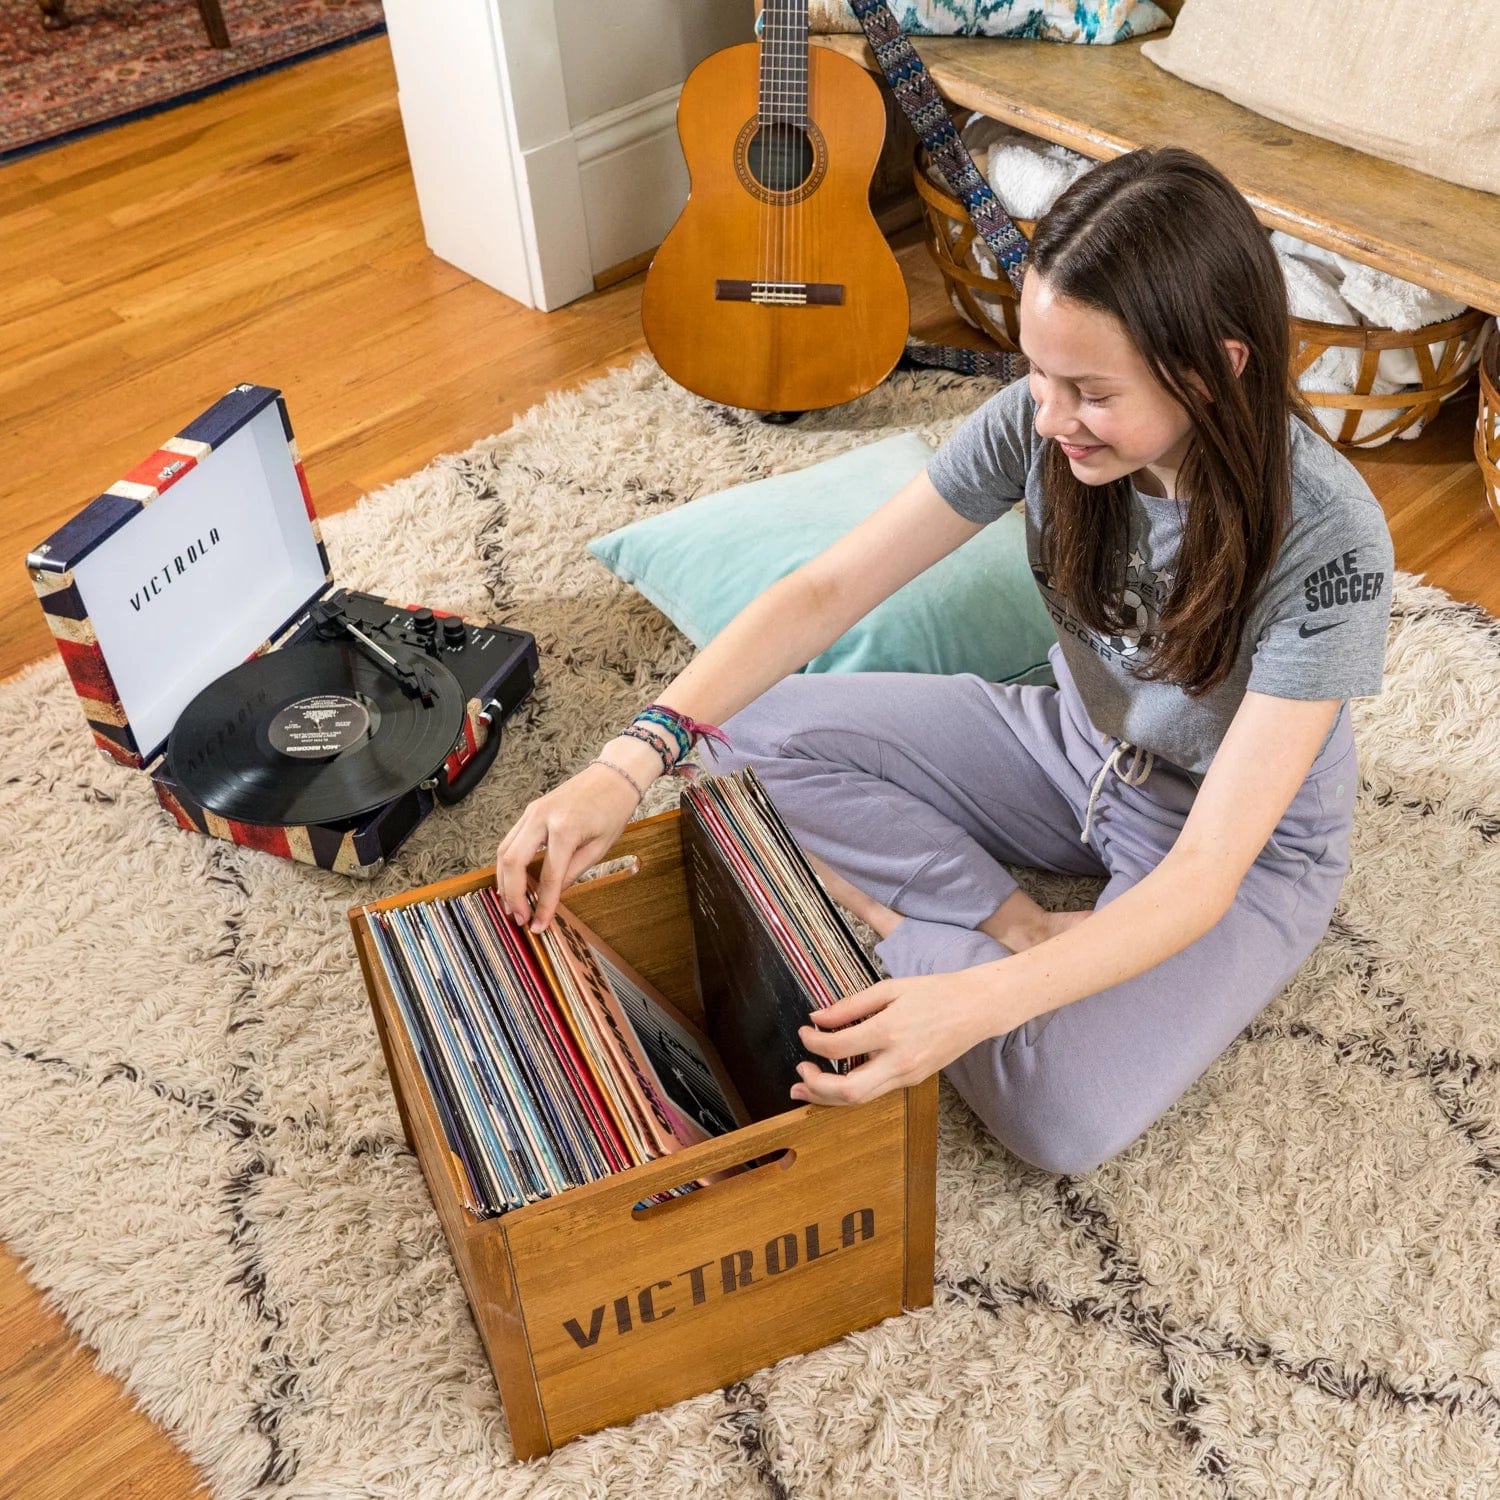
(616, 52)
(456, 114)
(623, 63)
(542, 133)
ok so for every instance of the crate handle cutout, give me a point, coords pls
(781, 1160)
(624, 866)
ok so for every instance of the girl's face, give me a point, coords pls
(1096, 397)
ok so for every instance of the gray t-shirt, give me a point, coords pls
(1316, 629)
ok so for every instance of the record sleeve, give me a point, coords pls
(649, 1129)
(606, 1133)
(771, 946)
(673, 1061)
(536, 1075)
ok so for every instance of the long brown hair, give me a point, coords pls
(1162, 241)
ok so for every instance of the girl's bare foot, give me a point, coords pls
(1019, 923)
(1060, 921)
(881, 919)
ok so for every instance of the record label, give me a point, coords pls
(318, 727)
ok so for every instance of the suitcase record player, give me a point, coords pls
(193, 607)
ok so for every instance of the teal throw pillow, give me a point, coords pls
(978, 610)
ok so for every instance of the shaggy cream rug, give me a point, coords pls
(1288, 1287)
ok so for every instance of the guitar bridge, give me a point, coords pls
(781, 293)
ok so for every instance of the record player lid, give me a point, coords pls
(183, 569)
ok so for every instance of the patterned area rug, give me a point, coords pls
(1287, 1287)
(118, 61)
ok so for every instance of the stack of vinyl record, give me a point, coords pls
(550, 1061)
(771, 945)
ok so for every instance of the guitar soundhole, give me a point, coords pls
(781, 158)
(780, 164)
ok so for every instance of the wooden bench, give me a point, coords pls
(1103, 101)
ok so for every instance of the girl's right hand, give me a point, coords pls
(576, 823)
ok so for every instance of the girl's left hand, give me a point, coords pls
(908, 1027)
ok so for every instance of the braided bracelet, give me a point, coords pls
(654, 715)
(648, 736)
(685, 727)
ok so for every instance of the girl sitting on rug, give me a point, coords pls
(1220, 579)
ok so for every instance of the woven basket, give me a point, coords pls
(987, 301)
(1487, 428)
(1444, 353)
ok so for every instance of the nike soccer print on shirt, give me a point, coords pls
(1340, 581)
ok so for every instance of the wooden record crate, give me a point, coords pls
(593, 1309)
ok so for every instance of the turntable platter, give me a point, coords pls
(313, 733)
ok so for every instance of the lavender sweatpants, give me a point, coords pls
(916, 788)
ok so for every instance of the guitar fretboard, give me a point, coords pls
(783, 62)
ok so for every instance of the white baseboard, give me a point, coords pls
(632, 176)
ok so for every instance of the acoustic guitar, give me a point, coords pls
(775, 289)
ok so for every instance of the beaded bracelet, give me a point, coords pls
(640, 791)
(658, 743)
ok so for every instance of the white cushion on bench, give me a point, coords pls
(1413, 83)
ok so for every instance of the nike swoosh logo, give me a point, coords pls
(1305, 630)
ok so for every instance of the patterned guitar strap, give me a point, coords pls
(924, 107)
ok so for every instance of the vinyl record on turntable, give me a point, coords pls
(313, 733)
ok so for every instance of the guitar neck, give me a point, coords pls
(783, 63)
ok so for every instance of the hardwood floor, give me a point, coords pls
(271, 234)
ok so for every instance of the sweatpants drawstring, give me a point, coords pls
(1133, 775)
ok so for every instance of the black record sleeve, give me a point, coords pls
(753, 1000)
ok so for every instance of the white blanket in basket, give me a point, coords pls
(1029, 175)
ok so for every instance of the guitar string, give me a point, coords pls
(780, 127)
(784, 92)
(792, 141)
(769, 155)
(799, 92)
(794, 134)
(773, 149)
(804, 94)
(758, 271)
(794, 144)
(758, 143)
